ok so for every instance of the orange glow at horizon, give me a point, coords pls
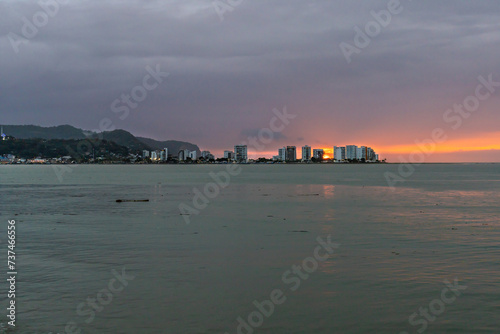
(484, 143)
(327, 152)
(480, 143)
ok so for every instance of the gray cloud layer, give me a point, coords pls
(227, 76)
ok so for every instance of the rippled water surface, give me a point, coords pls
(396, 248)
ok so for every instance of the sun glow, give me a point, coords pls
(327, 151)
(483, 143)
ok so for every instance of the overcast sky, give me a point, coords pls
(230, 65)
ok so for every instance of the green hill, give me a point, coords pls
(55, 148)
(124, 138)
(173, 146)
(34, 131)
(120, 137)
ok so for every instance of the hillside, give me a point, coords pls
(34, 131)
(173, 146)
(120, 137)
(124, 138)
(54, 148)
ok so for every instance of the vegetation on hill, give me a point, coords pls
(120, 137)
(79, 150)
(124, 138)
(173, 146)
(34, 131)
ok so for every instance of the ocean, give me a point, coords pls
(255, 249)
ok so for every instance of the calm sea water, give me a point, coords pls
(396, 249)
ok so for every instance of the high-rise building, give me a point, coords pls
(339, 153)
(351, 152)
(306, 153)
(164, 154)
(282, 154)
(361, 153)
(240, 153)
(364, 152)
(318, 153)
(205, 154)
(229, 155)
(145, 154)
(370, 154)
(291, 154)
(192, 155)
(154, 155)
(184, 154)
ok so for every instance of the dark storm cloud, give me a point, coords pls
(227, 76)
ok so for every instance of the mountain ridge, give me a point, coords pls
(118, 136)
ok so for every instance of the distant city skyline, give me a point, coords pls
(185, 74)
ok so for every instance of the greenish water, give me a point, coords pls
(396, 248)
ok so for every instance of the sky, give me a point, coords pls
(215, 73)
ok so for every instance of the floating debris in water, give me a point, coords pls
(131, 200)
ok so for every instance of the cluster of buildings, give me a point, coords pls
(12, 159)
(182, 155)
(158, 155)
(289, 154)
(8, 158)
(239, 155)
(339, 154)
(346, 153)
(353, 152)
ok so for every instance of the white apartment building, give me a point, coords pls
(282, 154)
(351, 152)
(361, 153)
(306, 153)
(240, 153)
(164, 154)
(339, 153)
